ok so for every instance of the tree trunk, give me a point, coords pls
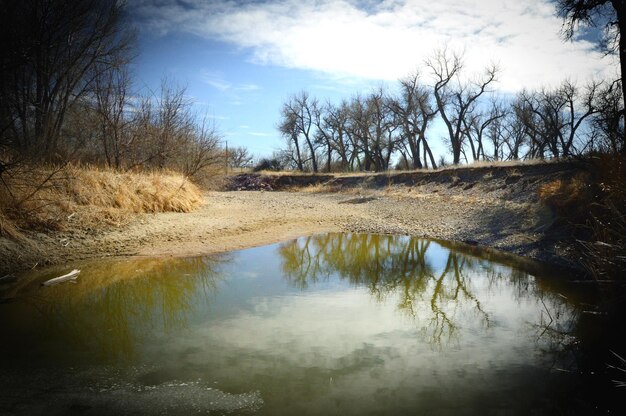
(430, 154)
(329, 158)
(298, 156)
(313, 156)
(456, 151)
(415, 154)
(621, 18)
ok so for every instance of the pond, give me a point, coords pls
(329, 324)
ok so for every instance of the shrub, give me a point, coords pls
(272, 164)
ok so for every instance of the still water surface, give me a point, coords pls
(330, 324)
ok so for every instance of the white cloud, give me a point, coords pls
(391, 38)
(247, 87)
(216, 117)
(219, 83)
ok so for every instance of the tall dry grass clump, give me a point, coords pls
(606, 249)
(134, 192)
(593, 206)
(569, 198)
(54, 197)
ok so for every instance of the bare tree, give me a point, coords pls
(383, 127)
(161, 122)
(515, 134)
(52, 52)
(324, 134)
(496, 135)
(239, 157)
(297, 122)
(482, 124)
(415, 111)
(336, 126)
(608, 122)
(456, 99)
(111, 105)
(580, 107)
(608, 13)
(359, 127)
(165, 132)
(373, 129)
(200, 148)
(173, 121)
(554, 117)
(524, 125)
(288, 128)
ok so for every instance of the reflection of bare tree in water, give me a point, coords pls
(556, 332)
(556, 325)
(389, 265)
(117, 304)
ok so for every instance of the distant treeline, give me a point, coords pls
(66, 94)
(369, 131)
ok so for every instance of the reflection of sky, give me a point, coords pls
(336, 335)
(437, 257)
(335, 347)
(352, 314)
(337, 324)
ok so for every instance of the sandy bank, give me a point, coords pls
(494, 212)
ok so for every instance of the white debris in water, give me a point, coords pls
(177, 397)
(114, 393)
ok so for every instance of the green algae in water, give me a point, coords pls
(329, 324)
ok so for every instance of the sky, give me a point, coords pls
(241, 59)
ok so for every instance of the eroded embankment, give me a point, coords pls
(520, 179)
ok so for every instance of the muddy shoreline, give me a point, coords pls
(495, 209)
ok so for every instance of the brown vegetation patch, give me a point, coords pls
(54, 197)
(606, 247)
(568, 197)
(591, 207)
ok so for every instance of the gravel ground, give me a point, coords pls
(487, 214)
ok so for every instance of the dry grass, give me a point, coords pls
(315, 189)
(605, 250)
(593, 205)
(8, 228)
(504, 163)
(568, 198)
(53, 197)
(137, 192)
(480, 164)
(287, 173)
